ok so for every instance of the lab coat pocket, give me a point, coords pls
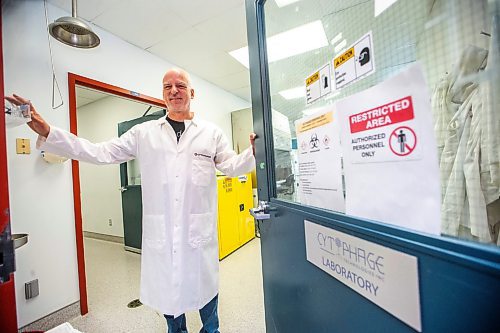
(202, 172)
(154, 231)
(201, 229)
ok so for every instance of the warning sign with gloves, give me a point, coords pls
(354, 63)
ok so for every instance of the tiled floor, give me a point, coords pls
(113, 281)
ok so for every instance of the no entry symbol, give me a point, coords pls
(403, 141)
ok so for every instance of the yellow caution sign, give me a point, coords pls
(311, 79)
(343, 57)
(315, 122)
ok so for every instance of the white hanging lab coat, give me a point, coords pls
(179, 263)
(469, 160)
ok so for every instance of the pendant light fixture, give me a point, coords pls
(73, 31)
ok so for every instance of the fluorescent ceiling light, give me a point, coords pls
(336, 39)
(242, 56)
(310, 112)
(293, 93)
(381, 5)
(283, 3)
(298, 40)
(340, 46)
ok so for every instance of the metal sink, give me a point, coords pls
(19, 240)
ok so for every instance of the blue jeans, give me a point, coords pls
(208, 315)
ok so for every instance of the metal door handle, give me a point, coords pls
(258, 214)
(122, 189)
(262, 212)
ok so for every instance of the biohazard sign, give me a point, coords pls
(319, 161)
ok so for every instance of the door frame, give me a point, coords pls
(73, 81)
(8, 310)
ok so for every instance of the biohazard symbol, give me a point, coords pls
(314, 142)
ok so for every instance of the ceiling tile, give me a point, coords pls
(90, 93)
(233, 81)
(142, 23)
(86, 9)
(243, 93)
(85, 96)
(228, 31)
(217, 65)
(197, 11)
(289, 17)
(81, 101)
(185, 48)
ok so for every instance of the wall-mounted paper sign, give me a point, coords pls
(387, 132)
(390, 155)
(356, 62)
(386, 277)
(318, 148)
(318, 84)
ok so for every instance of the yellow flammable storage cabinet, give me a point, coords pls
(236, 225)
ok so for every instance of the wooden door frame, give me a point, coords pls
(73, 81)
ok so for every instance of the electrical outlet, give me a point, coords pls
(110, 222)
(23, 146)
(31, 289)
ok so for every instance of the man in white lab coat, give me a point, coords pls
(178, 156)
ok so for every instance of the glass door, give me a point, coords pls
(421, 73)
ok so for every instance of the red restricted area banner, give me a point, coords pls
(387, 114)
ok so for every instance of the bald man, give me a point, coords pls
(178, 156)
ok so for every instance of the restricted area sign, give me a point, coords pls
(388, 149)
(384, 133)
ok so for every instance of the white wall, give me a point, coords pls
(41, 198)
(99, 184)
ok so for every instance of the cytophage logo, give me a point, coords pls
(367, 261)
(386, 277)
(202, 155)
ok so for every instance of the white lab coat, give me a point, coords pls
(179, 196)
(469, 159)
